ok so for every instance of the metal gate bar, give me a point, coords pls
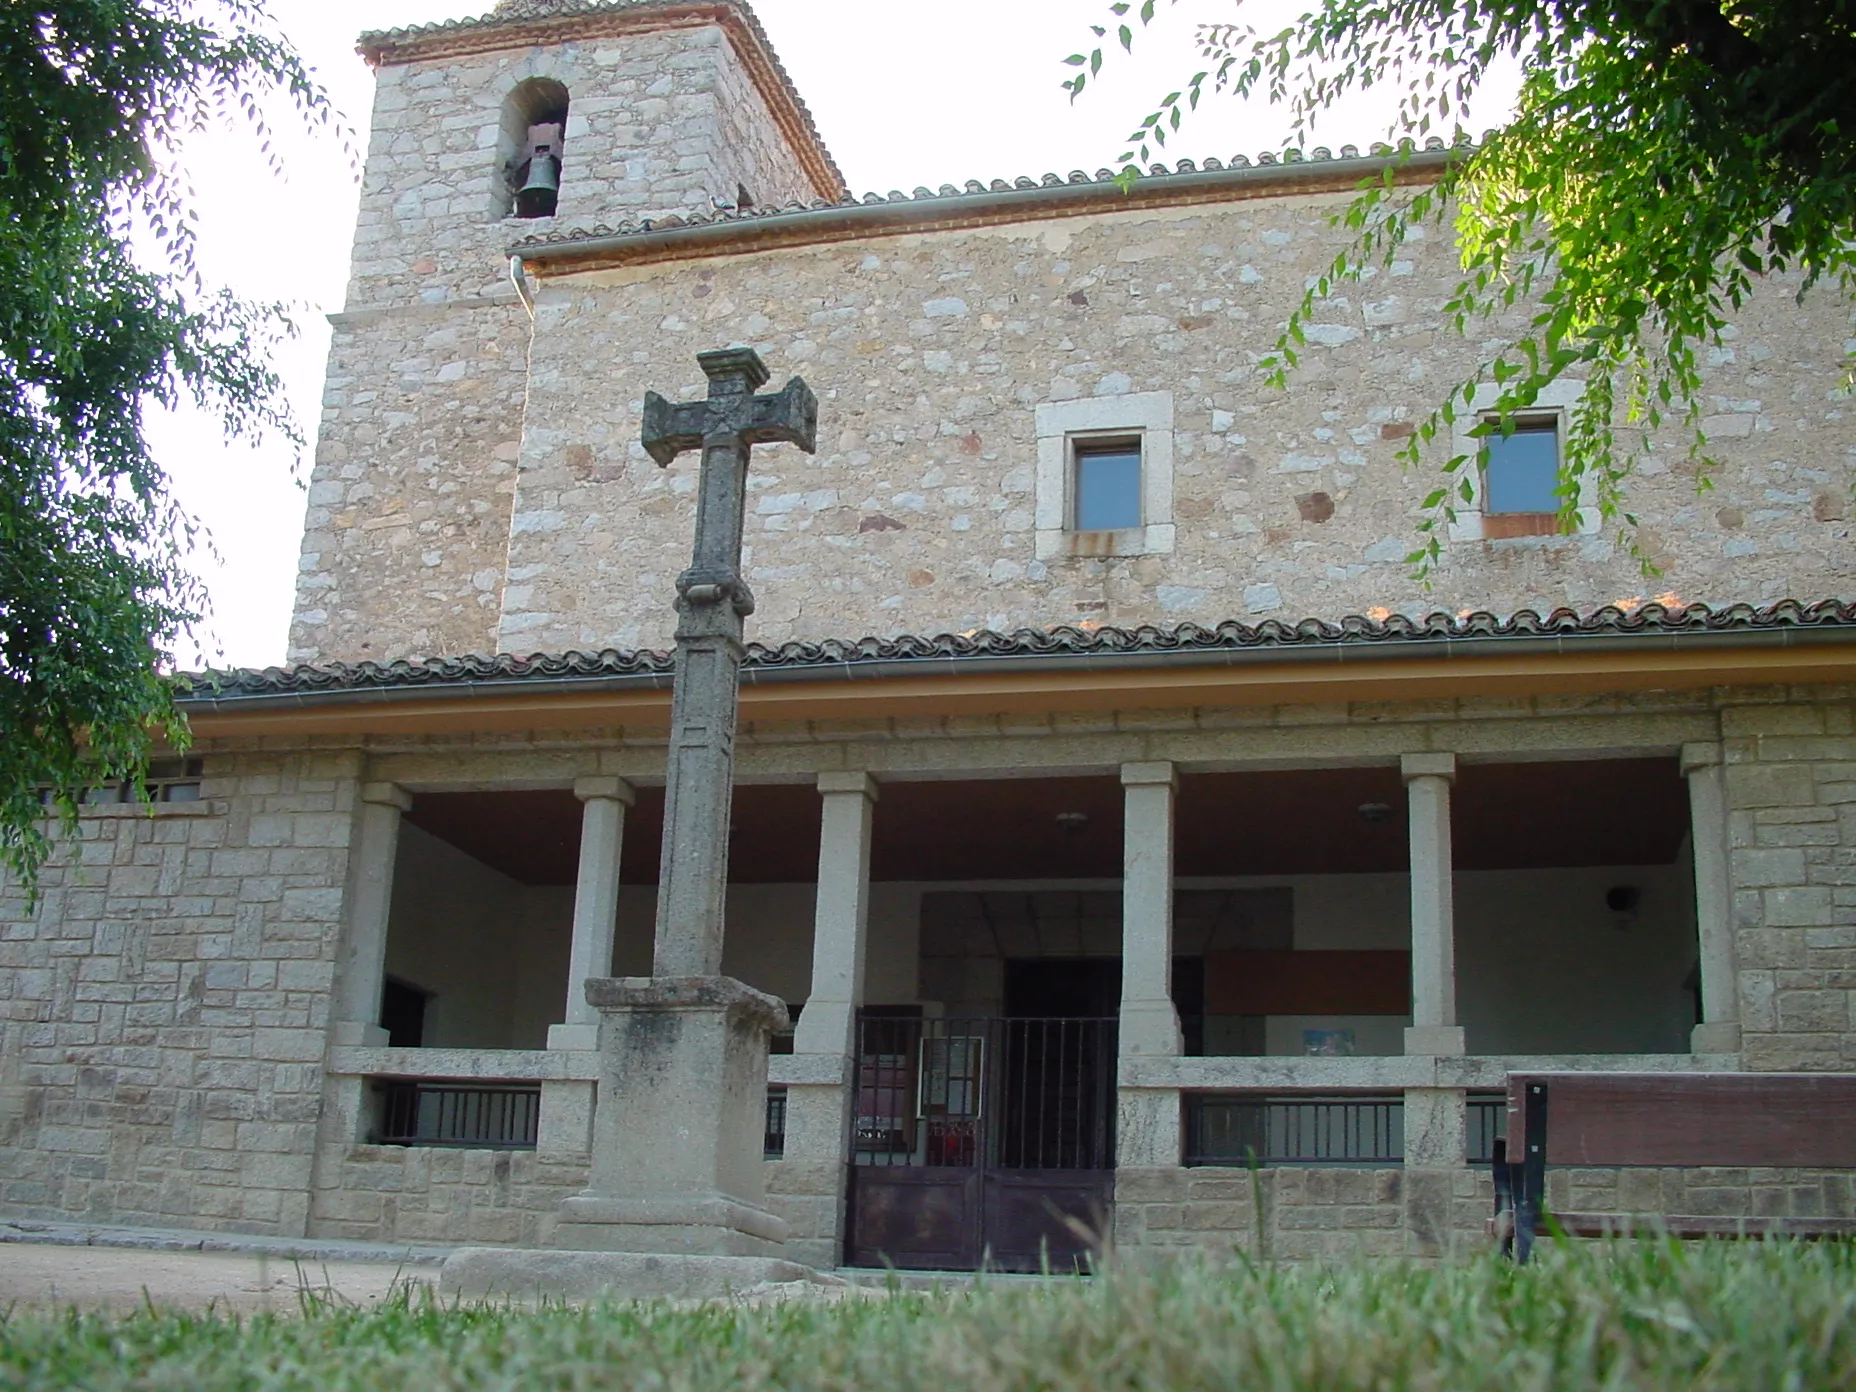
(981, 1140)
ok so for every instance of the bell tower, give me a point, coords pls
(542, 115)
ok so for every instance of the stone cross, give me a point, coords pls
(712, 601)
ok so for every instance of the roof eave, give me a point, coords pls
(1354, 653)
(576, 252)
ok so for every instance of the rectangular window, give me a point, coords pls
(1108, 485)
(1521, 470)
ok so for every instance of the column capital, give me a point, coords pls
(387, 795)
(1699, 755)
(836, 781)
(1412, 766)
(615, 789)
(1155, 773)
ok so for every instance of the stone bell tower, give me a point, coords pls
(637, 109)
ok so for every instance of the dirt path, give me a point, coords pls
(114, 1278)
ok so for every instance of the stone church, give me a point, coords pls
(1113, 810)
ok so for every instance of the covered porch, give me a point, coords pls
(1280, 963)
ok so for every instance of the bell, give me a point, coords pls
(540, 189)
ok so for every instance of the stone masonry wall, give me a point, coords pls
(930, 353)
(407, 533)
(411, 1194)
(1791, 790)
(164, 1003)
(1333, 1214)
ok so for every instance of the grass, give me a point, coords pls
(1768, 1316)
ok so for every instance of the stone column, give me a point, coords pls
(596, 904)
(566, 1126)
(1149, 1020)
(370, 902)
(1434, 1029)
(1719, 1030)
(818, 1099)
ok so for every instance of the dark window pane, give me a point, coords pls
(1108, 488)
(1522, 470)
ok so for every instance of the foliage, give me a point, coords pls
(1664, 156)
(101, 311)
(1653, 1316)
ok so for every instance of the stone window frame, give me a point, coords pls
(1556, 402)
(1144, 417)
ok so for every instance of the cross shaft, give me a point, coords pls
(712, 601)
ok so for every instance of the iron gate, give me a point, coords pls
(981, 1142)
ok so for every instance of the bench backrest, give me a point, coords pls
(1801, 1120)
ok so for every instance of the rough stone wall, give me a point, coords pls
(1306, 1213)
(1333, 1214)
(1706, 1192)
(752, 152)
(930, 353)
(807, 1194)
(413, 1194)
(407, 533)
(164, 1003)
(1791, 790)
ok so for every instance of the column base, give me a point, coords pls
(566, 1127)
(1437, 1041)
(1716, 1037)
(1149, 1027)
(574, 1039)
(1149, 1128)
(1435, 1134)
(357, 1034)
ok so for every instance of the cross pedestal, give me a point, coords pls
(682, 1116)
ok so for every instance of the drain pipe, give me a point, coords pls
(517, 279)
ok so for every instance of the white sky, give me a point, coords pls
(904, 95)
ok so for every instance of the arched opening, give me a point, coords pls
(529, 148)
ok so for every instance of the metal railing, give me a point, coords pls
(168, 780)
(1002, 1094)
(774, 1145)
(1485, 1122)
(1294, 1129)
(471, 1116)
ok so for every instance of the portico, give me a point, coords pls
(1287, 847)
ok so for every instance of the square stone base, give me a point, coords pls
(514, 1273)
(717, 1226)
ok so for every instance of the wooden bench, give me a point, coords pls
(1672, 1120)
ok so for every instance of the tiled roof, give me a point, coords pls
(923, 197)
(1391, 635)
(544, 15)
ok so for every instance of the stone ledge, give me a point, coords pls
(1482, 1072)
(23, 1230)
(528, 1274)
(471, 1065)
(118, 811)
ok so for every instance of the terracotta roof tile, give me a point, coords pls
(924, 196)
(1061, 642)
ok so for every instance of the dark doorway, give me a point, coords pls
(1062, 988)
(402, 1013)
